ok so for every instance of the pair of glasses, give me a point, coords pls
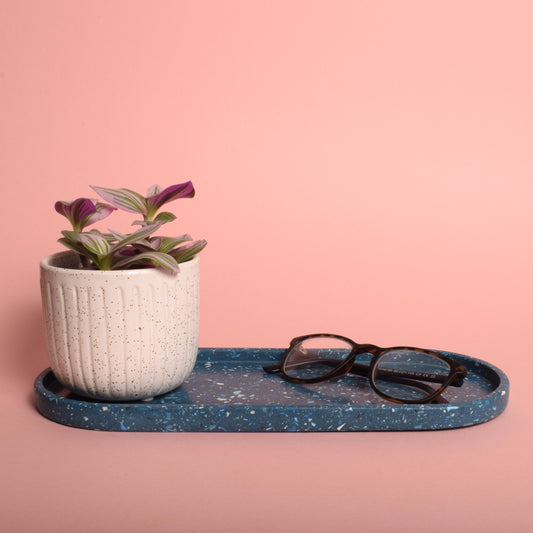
(400, 374)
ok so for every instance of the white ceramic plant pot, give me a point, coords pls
(122, 334)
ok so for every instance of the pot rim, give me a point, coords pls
(45, 264)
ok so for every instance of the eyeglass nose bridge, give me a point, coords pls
(350, 364)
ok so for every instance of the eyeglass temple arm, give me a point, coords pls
(272, 369)
(363, 370)
(387, 375)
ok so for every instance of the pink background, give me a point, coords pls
(361, 167)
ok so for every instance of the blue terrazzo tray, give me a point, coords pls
(228, 391)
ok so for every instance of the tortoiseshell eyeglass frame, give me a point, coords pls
(347, 365)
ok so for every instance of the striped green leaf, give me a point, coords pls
(169, 243)
(156, 259)
(95, 242)
(78, 248)
(124, 198)
(72, 236)
(154, 189)
(137, 236)
(116, 235)
(188, 251)
(165, 217)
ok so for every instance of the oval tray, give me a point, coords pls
(228, 391)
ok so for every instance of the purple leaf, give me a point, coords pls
(102, 211)
(124, 198)
(181, 190)
(76, 210)
(83, 212)
(126, 252)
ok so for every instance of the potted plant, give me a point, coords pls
(121, 311)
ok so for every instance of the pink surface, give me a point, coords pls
(361, 167)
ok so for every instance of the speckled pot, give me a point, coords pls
(120, 335)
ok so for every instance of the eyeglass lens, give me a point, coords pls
(316, 357)
(410, 374)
